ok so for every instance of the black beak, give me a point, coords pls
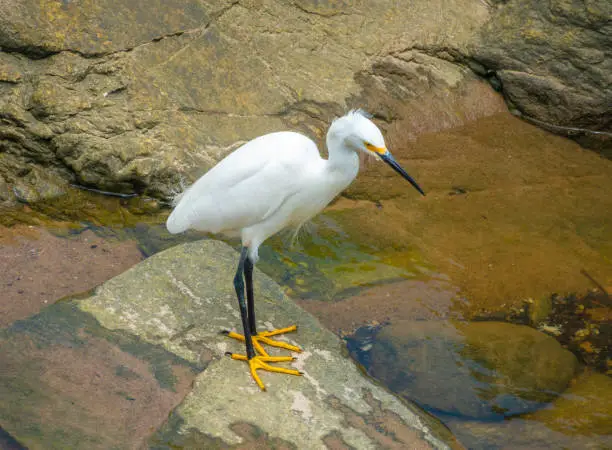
(388, 158)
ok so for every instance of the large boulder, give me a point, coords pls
(554, 62)
(132, 96)
(107, 370)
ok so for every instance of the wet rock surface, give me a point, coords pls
(585, 408)
(141, 339)
(483, 370)
(39, 268)
(66, 382)
(78, 208)
(403, 300)
(521, 435)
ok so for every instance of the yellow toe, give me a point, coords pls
(260, 363)
(264, 338)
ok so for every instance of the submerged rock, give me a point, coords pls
(579, 419)
(173, 305)
(481, 370)
(39, 268)
(520, 434)
(585, 408)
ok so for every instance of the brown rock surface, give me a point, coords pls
(129, 98)
(39, 268)
(66, 382)
(553, 62)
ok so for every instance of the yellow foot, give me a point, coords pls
(263, 337)
(259, 363)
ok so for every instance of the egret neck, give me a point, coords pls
(343, 161)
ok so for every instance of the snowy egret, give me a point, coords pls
(270, 183)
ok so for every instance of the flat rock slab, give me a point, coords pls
(181, 298)
(68, 383)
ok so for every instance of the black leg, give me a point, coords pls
(248, 276)
(239, 285)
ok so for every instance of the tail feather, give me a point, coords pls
(178, 220)
(177, 223)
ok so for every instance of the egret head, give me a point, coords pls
(359, 133)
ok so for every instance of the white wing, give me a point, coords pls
(247, 186)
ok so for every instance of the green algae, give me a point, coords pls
(76, 206)
(330, 260)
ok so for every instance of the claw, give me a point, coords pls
(264, 338)
(260, 363)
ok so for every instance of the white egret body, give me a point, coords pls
(270, 183)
